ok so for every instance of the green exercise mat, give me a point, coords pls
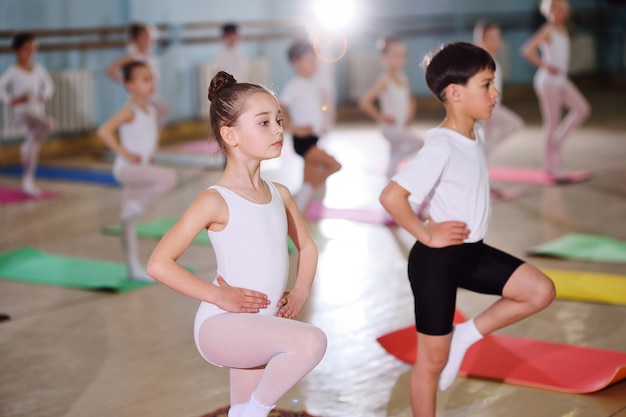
(584, 247)
(30, 265)
(156, 229)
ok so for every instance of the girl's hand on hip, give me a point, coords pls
(240, 300)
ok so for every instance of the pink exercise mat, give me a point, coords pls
(10, 195)
(318, 211)
(534, 176)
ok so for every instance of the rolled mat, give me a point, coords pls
(156, 229)
(527, 362)
(583, 247)
(590, 286)
(11, 195)
(67, 174)
(534, 176)
(32, 266)
(223, 412)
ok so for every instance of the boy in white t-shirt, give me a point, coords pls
(449, 252)
(30, 87)
(302, 98)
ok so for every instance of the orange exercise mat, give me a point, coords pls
(527, 362)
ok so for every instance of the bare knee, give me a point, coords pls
(431, 363)
(543, 294)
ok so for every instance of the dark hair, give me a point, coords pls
(383, 43)
(20, 38)
(129, 68)
(298, 49)
(227, 98)
(135, 28)
(454, 63)
(229, 29)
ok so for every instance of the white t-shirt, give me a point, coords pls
(233, 62)
(303, 99)
(35, 84)
(455, 168)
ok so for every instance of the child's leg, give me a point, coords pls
(402, 143)
(579, 111)
(37, 130)
(144, 186)
(130, 245)
(549, 96)
(322, 165)
(525, 290)
(288, 349)
(502, 123)
(431, 358)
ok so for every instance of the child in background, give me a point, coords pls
(230, 59)
(397, 107)
(303, 100)
(31, 86)
(503, 122)
(449, 251)
(142, 38)
(143, 183)
(553, 87)
(244, 320)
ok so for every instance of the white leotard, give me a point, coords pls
(395, 99)
(555, 53)
(251, 250)
(139, 136)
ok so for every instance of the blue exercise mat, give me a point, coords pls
(68, 174)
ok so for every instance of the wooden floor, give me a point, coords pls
(71, 353)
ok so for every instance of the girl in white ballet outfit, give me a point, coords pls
(549, 50)
(244, 321)
(31, 86)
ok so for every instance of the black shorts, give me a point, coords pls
(436, 273)
(302, 144)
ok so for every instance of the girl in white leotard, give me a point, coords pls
(143, 183)
(244, 319)
(142, 38)
(553, 87)
(396, 106)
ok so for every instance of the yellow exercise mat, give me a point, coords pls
(591, 286)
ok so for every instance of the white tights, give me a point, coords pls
(552, 97)
(402, 143)
(143, 186)
(37, 130)
(267, 355)
(502, 123)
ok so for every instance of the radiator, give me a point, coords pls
(258, 73)
(71, 105)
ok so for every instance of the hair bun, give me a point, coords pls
(221, 81)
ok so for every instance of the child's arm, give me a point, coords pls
(208, 209)
(5, 80)
(48, 85)
(367, 102)
(395, 199)
(530, 49)
(293, 301)
(412, 110)
(113, 70)
(106, 132)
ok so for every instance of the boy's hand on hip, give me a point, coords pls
(446, 233)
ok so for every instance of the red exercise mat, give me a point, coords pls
(534, 176)
(10, 195)
(527, 362)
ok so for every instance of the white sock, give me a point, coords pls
(131, 210)
(464, 335)
(29, 187)
(235, 410)
(137, 272)
(253, 408)
(303, 198)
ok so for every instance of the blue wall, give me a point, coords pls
(179, 61)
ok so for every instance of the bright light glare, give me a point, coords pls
(334, 14)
